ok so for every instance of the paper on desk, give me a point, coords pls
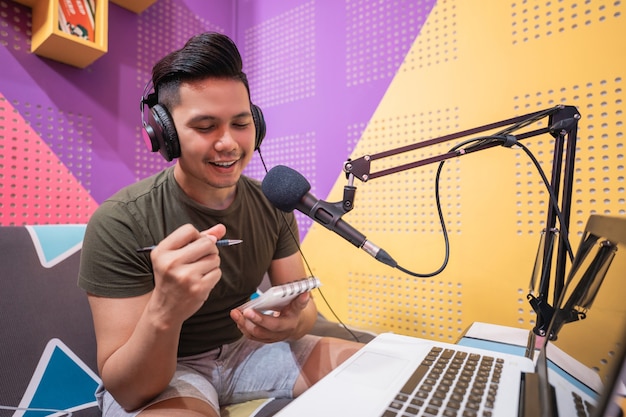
(498, 333)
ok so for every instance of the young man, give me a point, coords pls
(170, 339)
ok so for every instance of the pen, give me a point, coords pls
(222, 242)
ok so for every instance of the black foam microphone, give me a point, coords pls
(287, 190)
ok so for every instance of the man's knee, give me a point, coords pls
(180, 406)
(328, 353)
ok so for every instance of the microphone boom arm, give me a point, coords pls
(562, 125)
(360, 167)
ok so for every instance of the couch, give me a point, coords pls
(48, 360)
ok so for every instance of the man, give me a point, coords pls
(170, 339)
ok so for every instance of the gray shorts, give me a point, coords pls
(234, 373)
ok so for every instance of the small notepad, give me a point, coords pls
(277, 297)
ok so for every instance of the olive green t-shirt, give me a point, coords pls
(146, 212)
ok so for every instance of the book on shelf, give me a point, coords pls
(77, 17)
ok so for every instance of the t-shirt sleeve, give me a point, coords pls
(289, 237)
(110, 265)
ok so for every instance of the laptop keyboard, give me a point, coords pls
(583, 408)
(449, 383)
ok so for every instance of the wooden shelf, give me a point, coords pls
(50, 42)
(28, 3)
(136, 6)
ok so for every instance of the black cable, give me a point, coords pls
(526, 122)
(553, 200)
(509, 140)
(308, 267)
(446, 239)
(506, 139)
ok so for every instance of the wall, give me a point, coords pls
(318, 70)
(339, 79)
(78, 130)
(475, 63)
(87, 122)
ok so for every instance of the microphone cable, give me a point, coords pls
(444, 231)
(553, 200)
(504, 139)
(508, 141)
(308, 267)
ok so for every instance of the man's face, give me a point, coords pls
(216, 132)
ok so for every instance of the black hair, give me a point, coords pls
(207, 55)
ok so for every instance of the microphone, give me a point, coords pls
(287, 190)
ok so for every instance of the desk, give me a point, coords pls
(499, 338)
(368, 382)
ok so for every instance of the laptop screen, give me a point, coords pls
(590, 325)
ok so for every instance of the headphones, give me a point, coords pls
(160, 132)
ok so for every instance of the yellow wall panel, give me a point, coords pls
(477, 62)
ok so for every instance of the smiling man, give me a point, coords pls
(170, 339)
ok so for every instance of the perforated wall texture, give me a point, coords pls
(475, 63)
(339, 79)
(375, 34)
(151, 46)
(318, 70)
(297, 150)
(280, 56)
(34, 183)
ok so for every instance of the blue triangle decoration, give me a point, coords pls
(61, 382)
(55, 243)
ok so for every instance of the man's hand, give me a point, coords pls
(272, 328)
(186, 268)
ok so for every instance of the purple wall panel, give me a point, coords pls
(317, 68)
(100, 102)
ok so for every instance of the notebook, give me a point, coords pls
(396, 375)
(275, 298)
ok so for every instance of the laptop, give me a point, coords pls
(579, 372)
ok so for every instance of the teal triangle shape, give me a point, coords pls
(61, 382)
(54, 243)
(64, 385)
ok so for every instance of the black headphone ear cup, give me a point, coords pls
(149, 135)
(259, 125)
(163, 132)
